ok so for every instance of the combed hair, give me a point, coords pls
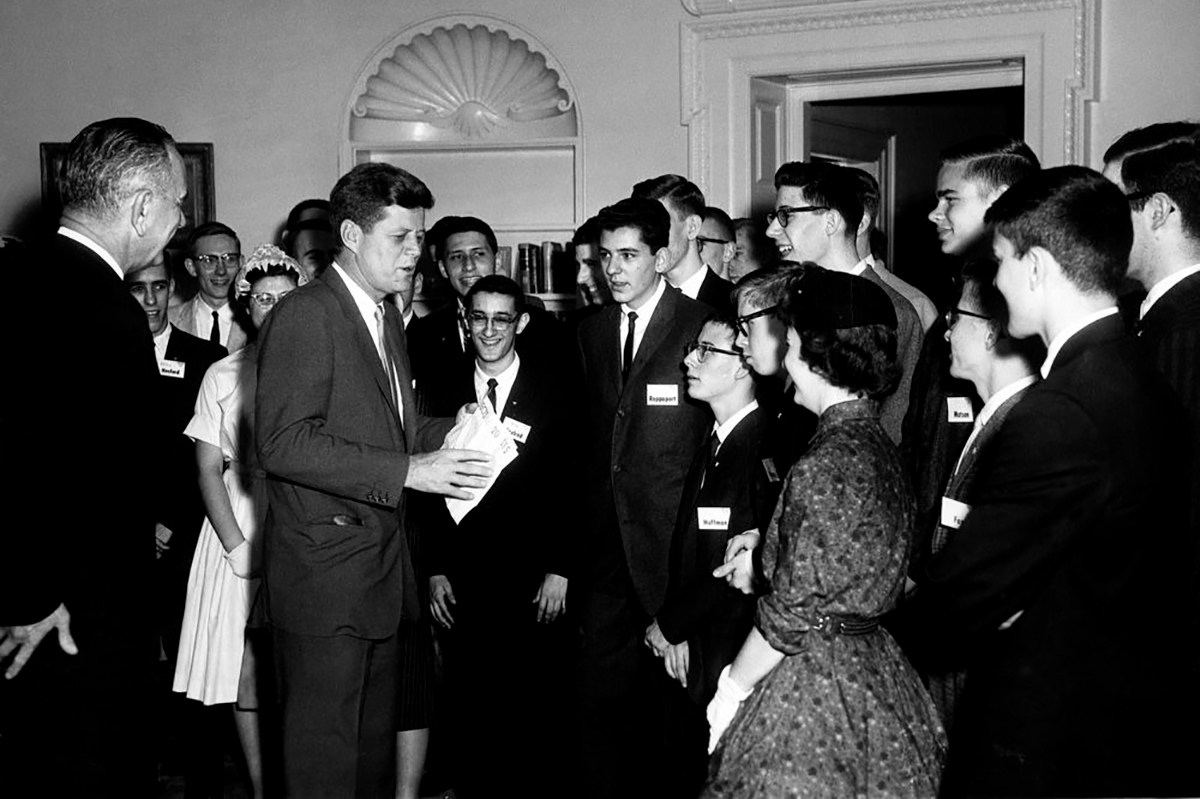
(1078, 216)
(106, 160)
(447, 226)
(683, 195)
(769, 286)
(868, 192)
(832, 186)
(1162, 158)
(497, 284)
(646, 216)
(993, 161)
(364, 194)
(210, 229)
(587, 233)
(721, 218)
(858, 359)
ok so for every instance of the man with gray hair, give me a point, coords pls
(79, 554)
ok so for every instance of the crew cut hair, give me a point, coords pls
(683, 195)
(107, 160)
(992, 161)
(1162, 158)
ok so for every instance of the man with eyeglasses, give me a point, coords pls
(498, 578)
(716, 242)
(817, 213)
(703, 622)
(640, 432)
(439, 343)
(214, 255)
(687, 270)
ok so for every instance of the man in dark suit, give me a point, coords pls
(687, 272)
(182, 361)
(1076, 534)
(642, 432)
(338, 434)
(703, 621)
(439, 343)
(78, 708)
(499, 577)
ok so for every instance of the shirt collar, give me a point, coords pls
(366, 305)
(999, 398)
(861, 267)
(1163, 286)
(647, 310)
(723, 430)
(691, 286)
(504, 380)
(162, 341)
(104, 254)
(1064, 335)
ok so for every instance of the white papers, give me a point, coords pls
(483, 431)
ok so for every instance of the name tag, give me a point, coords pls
(518, 430)
(954, 513)
(769, 468)
(958, 409)
(168, 368)
(713, 518)
(662, 394)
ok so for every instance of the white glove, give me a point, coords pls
(723, 707)
(239, 560)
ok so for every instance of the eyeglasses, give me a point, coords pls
(953, 315)
(705, 240)
(265, 299)
(741, 321)
(785, 213)
(704, 349)
(500, 322)
(209, 262)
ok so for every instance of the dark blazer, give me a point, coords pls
(639, 454)
(439, 361)
(704, 611)
(335, 555)
(1170, 335)
(714, 292)
(1077, 523)
(909, 337)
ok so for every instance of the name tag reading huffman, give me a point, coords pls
(713, 518)
(662, 394)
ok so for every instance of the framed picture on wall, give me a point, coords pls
(199, 206)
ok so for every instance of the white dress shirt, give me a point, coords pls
(504, 383)
(1163, 286)
(691, 287)
(366, 307)
(643, 318)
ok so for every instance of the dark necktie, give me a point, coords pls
(385, 357)
(491, 393)
(627, 354)
(714, 444)
(215, 334)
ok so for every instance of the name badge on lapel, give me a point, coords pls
(954, 513)
(168, 368)
(713, 518)
(662, 394)
(518, 430)
(958, 409)
(769, 468)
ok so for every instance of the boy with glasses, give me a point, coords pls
(214, 255)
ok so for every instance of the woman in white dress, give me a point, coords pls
(215, 666)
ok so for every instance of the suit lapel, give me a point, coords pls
(611, 352)
(656, 331)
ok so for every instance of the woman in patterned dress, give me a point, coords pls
(820, 701)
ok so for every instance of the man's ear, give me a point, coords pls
(662, 261)
(994, 194)
(418, 283)
(834, 223)
(139, 210)
(1039, 263)
(864, 224)
(351, 235)
(190, 266)
(522, 321)
(691, 226)
(1160, 207)
(727, 252)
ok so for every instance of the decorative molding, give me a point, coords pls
(461, 78)
(729, 23)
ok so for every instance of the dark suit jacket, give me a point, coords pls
(1078, 521)
(704, 611)
(439, 362)
(639, 454)
(714, 292)
(335, 558)
(1170, 335)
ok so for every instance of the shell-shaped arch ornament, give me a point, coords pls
(469, 79)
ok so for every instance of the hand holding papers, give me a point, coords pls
(482, 431)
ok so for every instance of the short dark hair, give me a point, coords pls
(106, 157)
(497, 284)
(294, 221)
(1162, 158)
(868, 192)
(681, 193)
(587, 233)
(1075, 214)
(767, 287)
(993, 160)
(979, 280)
(646, 216)
(364, 194)
(832, 186)
(447, 226)
(209, 229)
(721, 218)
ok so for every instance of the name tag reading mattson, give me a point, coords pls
(662, 394)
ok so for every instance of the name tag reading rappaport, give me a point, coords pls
(662, 394)
(168, 368)
(713, 518)
(518, 430)
(954, 513)
(958, 409)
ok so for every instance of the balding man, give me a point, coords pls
(79, 530)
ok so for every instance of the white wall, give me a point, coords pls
(267, 82)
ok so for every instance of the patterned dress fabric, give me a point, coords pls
(841, 715)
